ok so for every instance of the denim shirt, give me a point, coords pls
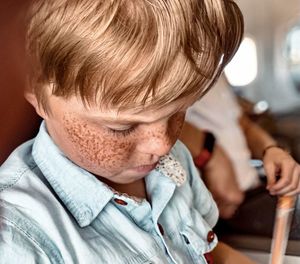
(52, 211)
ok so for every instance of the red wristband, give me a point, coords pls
(202, 159)
(206, 153)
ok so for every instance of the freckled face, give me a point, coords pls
(119, 146)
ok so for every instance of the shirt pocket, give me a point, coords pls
(198, 242)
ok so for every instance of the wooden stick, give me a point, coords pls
(284, 213)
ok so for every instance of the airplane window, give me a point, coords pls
(242, 70)
(292, 54)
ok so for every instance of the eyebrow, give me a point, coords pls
(115, 121)
(121, 121)
(125, 121)
(133, 121)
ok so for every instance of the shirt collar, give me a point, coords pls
(169, 166)
(81, 192)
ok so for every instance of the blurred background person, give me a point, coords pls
(229, 173)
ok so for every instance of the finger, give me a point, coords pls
(296, 192)
(290, 187)
(227, 208)
(227, 211)
(294, 188)
(270, 170)
(286, 175)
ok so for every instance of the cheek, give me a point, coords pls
(95, 147)
(175, 126)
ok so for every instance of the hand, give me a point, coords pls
(224, 254)
(278, 162)
(220, 179)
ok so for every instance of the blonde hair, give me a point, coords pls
(128, 53)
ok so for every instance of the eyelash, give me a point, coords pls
(128, 131)
(123, 133)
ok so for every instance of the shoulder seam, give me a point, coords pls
(25, 233)
(6, 186)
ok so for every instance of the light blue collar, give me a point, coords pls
(81, 192)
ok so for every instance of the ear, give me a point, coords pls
(31, 98)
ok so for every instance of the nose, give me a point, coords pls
(157, 139)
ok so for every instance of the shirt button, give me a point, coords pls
(161, 230)
(210, 236)
(119, 201)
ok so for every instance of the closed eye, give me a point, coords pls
(122, 132)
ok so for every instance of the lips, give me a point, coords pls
(145, 168)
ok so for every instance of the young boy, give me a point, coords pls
(105, 180)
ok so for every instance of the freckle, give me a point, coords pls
(93, 146)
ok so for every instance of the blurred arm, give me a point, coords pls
(257, 138)
(277, 162)
(217, 174)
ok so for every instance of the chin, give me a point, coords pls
(124, 177)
